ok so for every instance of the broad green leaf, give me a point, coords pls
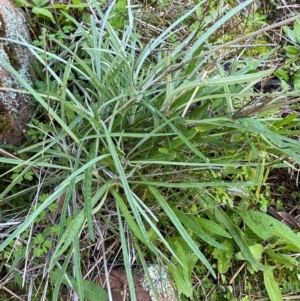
(292, 50)
(182, 273)
(91, 290)
(297, 30)
(43, 12)
(224, 257)
(183, 284)
(223, 262)
(281, 73)
(238, 238)
(23, 3)
(256, 251)
(266, 226)
(254, 224)
(285, 259)
(290, 33)
(272, 286)
(212, 227)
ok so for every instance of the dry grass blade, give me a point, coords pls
(262, 106)
(235, 41)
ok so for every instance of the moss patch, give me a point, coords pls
(2, 27)
(4, 122)
(10, 50)
(4, 117)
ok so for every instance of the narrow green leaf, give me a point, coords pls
(71, 192)
(189, 134)
(74, 229)
(285, 121)
(190, 224)
(282, 143)
(68, 238)
(57, 276)
(77, 266)
(123, 179)
(129, 219)
(126, 256)
(88, 191)
(136, 230)
(272, 286)
(224, 81)
(141, 257)
(173, 218)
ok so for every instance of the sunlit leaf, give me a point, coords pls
(43, 12)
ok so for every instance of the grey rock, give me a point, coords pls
(16, 108)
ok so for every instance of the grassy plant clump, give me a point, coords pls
(147, 152)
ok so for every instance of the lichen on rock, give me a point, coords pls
(119, 289)
(16, 108)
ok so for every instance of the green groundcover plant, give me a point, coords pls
(147, 149)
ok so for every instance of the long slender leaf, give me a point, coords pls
(126, 256)
(88, 193)
(167, 209)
